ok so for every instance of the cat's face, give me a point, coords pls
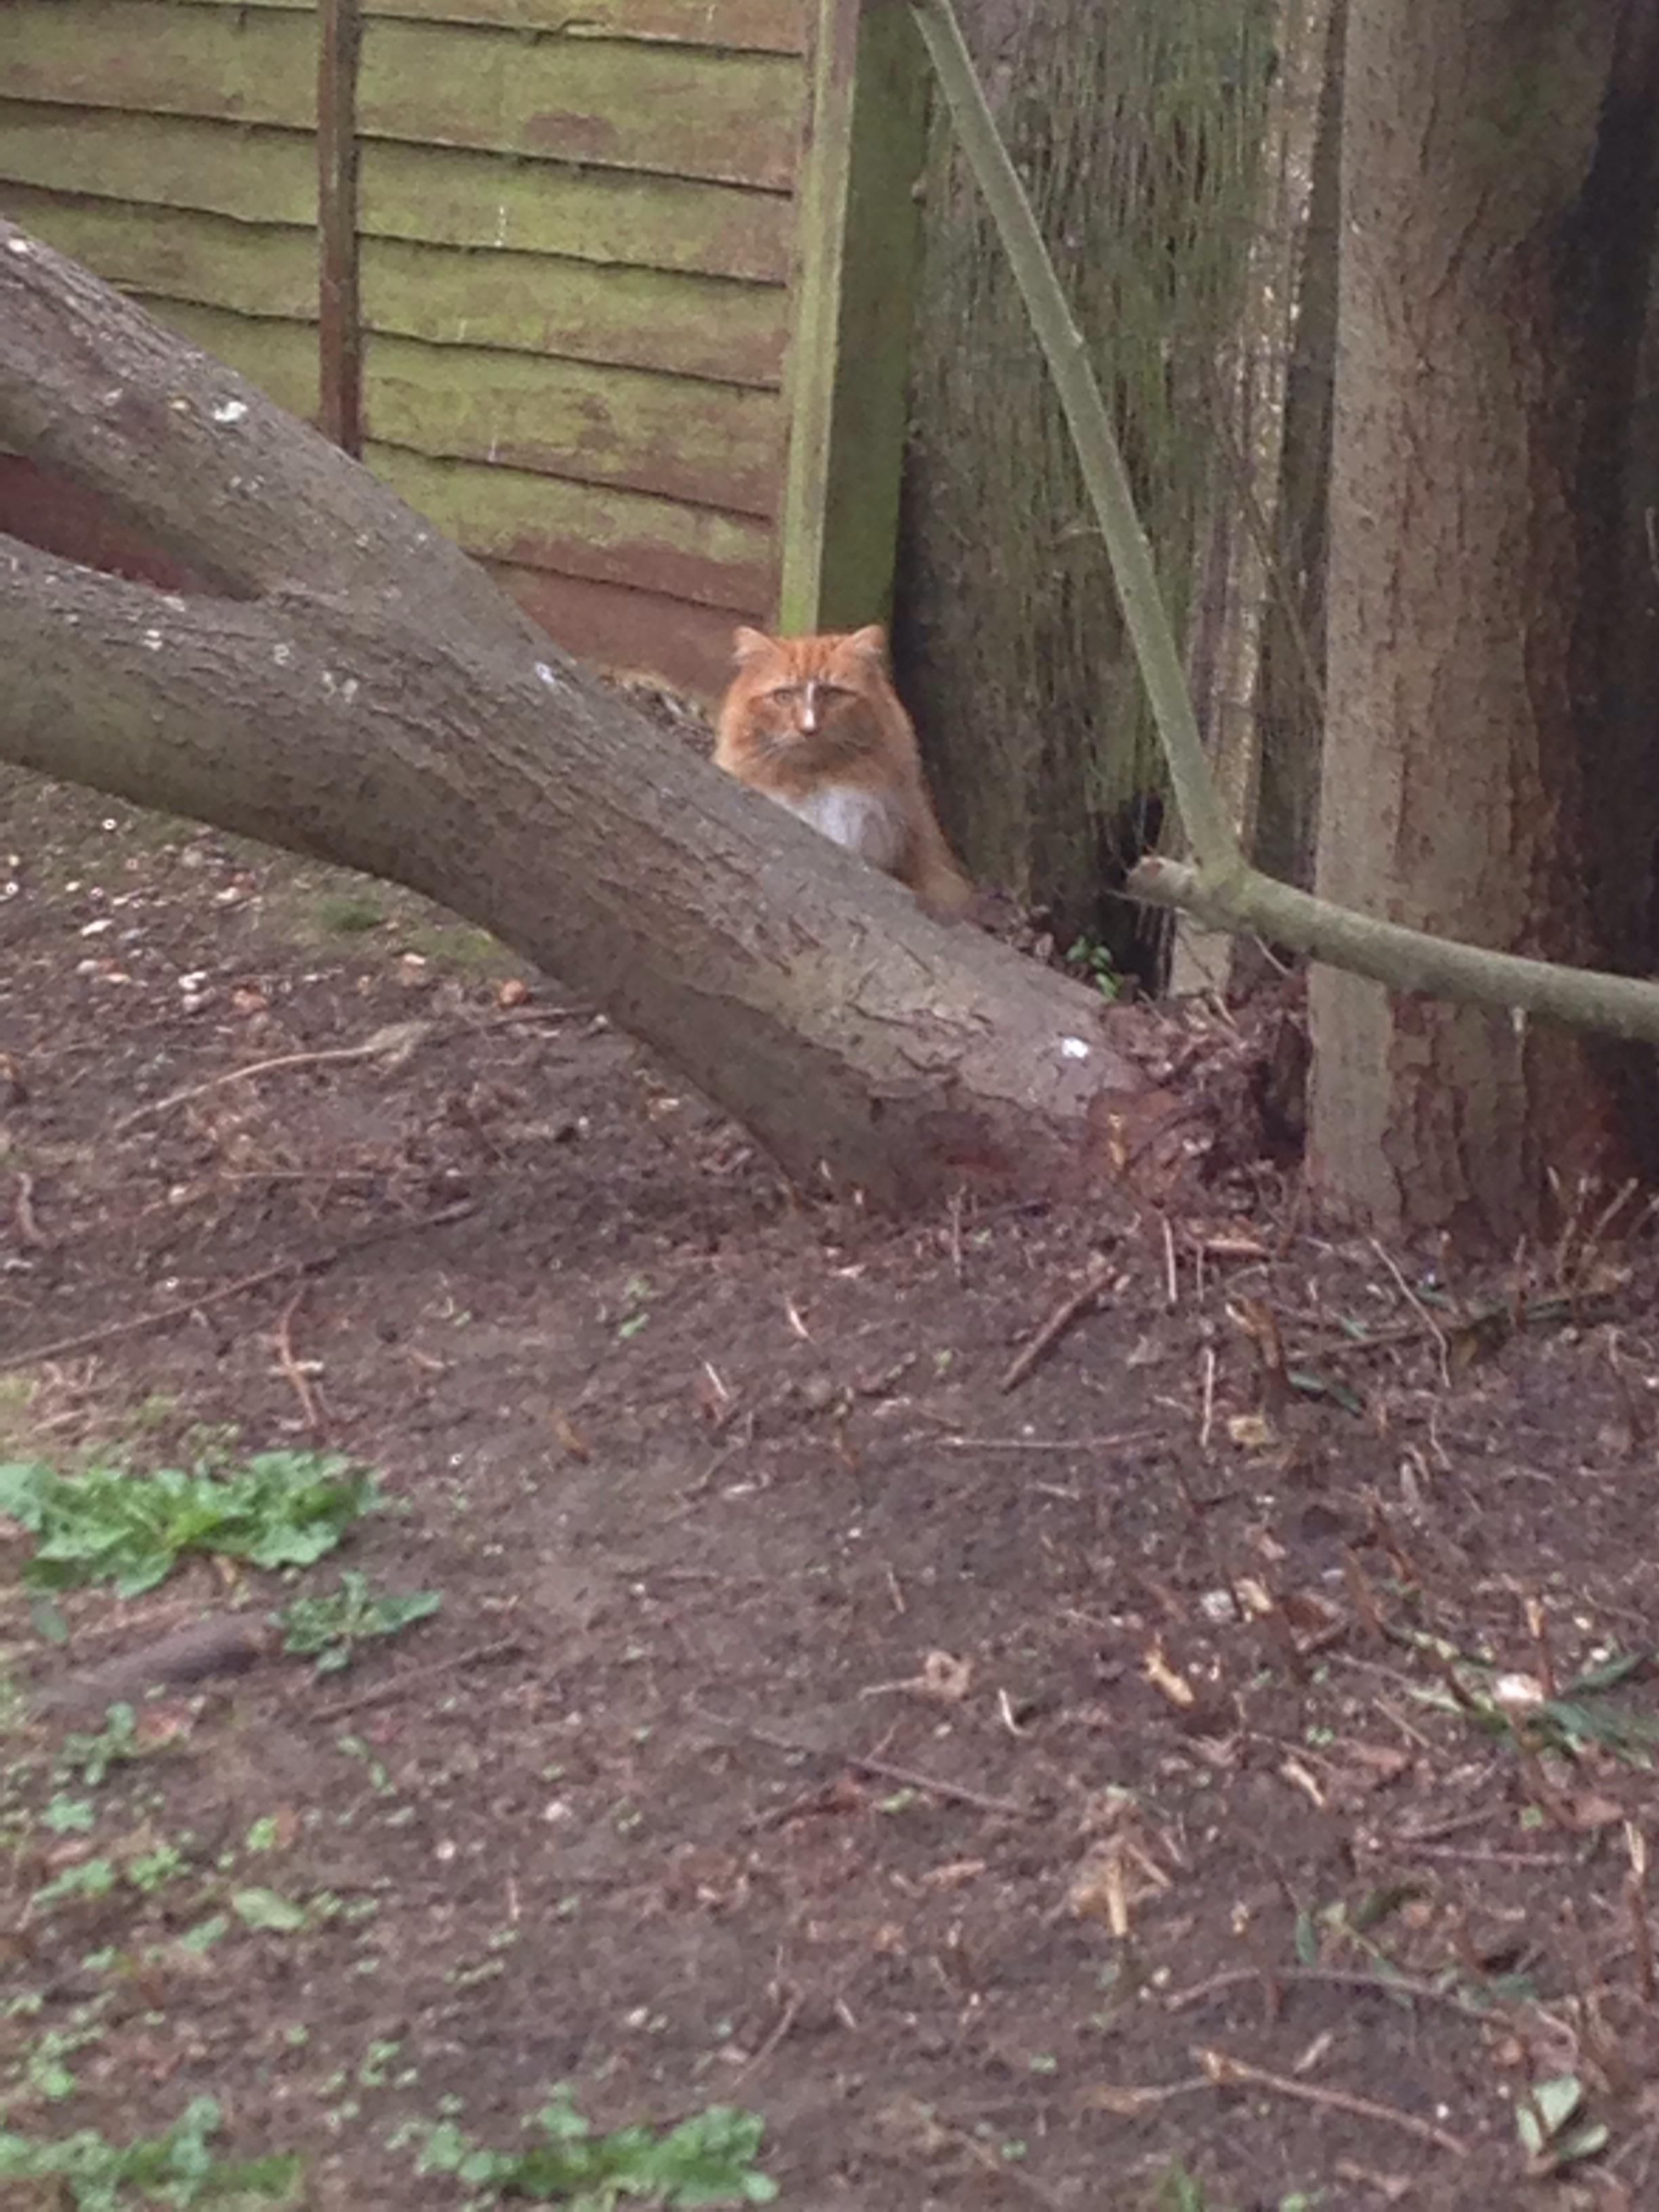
(807, 697)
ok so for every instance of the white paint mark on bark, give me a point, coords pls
(230, 411)
(1073, 1048)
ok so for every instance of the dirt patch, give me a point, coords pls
(1090, 1792)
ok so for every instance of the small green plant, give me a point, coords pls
(636, 1295)
(177, 2168)
(91, 1756)
(1180, 2191)
(1090, 962)
(707, 2159)
(90, 1878)
(330, 1628)
(1553, 2130)
(280, 1510)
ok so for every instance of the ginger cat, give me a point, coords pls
(815, 723)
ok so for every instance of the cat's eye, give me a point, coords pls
(784, 691)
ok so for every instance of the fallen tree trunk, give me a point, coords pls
(350, 686)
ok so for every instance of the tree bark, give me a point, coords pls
(351, 686)
(1474, 532)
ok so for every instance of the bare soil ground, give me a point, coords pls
(1136, 1786)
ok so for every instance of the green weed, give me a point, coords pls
(280, 1510)
(1090, 962)
(330, 1628)
(177, 2168)
(707, 2159)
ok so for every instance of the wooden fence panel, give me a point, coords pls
(620, 103)
(566, 247)
(769, 26)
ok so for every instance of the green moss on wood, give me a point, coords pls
(579, 530)
(713, 443)
(636, 318)
(618, 103)
(850, 351)
(776, 27)
(414, 192)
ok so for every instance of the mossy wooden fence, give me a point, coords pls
(548, 284)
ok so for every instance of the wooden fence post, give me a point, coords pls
(339, 310)
(856, 255)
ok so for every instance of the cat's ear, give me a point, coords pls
(870, 644)
(749, 645)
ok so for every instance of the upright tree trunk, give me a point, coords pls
(1490, 302)
(1291, 703)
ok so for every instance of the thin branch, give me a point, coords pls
(881, 1769)
(1228, 2072)
(393, 1043)
(414, 1678)
(1406, 959)
(1071, 1308)
(91, 1339)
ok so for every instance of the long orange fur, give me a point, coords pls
(815, 723)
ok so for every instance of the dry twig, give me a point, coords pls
(1228, 2073)
(504, 1647)
(28, 1229)
(882, 1770)
(1124, 1437)
(1382, 1986)
(1070, 1309)
(393, 1044)
(296, 1375)
(318, 1263)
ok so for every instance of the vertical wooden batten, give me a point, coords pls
(340, 329)
(858, 239)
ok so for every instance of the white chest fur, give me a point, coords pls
(863, 821)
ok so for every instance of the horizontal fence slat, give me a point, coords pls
(458, 198)
(625, 318)
(770, 27)
(280, 357)
(616, 628)
(713, 444)
(218, 168)
(417, 193)
(614, 103)
(643, 317)
(578, 529)
(683, 113)
(203, 260)
(151, 58)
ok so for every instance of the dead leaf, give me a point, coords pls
(1250, 1431)
(1162, 1676)
(1098, 1890)
(711, 1397)
(946, 1677)
(1588, 1811)
(1385, 1761)
(1295, 1773)
(513, 992)
(953, 1875)
(573, 1442)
